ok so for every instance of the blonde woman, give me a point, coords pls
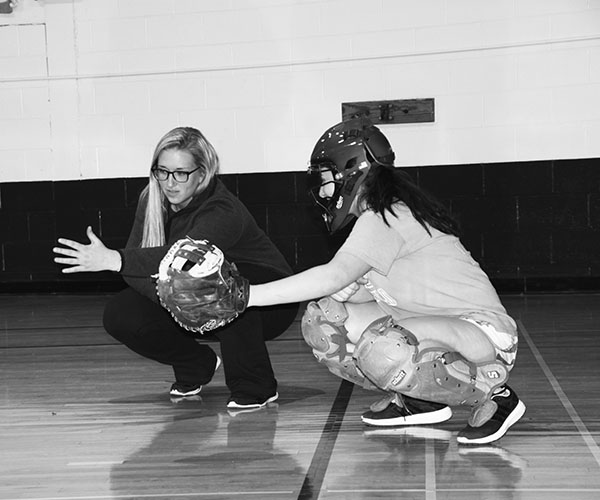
(184, 197)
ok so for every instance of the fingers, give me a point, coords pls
(70, 243)
(340, 296)
(345, 293)
(72, 253)
(350, 290)
(64, 251)
(72, 269)
(91, 257)
(91, 235)
(71, 259)
(74, 247)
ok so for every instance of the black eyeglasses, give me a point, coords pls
(180, 176)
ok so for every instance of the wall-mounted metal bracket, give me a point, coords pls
(6, 7)
(396, 111)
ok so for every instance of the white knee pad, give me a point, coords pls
(389, 356)
(324, 331)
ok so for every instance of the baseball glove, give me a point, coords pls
(199, 287)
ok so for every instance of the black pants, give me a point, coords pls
(149, 330)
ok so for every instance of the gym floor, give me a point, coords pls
(82, 417)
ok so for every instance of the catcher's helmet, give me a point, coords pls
(343, 156)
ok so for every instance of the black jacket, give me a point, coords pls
(215, 215)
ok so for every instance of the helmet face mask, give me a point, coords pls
(342, 157)
(333, 192)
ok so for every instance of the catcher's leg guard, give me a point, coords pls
(324, 331)
(389, 356)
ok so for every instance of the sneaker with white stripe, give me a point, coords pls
(509, 410)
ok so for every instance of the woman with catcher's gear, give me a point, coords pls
(404, 308)
(185, 199)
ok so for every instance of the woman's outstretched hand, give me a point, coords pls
(87, 258)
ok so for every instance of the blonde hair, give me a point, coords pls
(205, 158)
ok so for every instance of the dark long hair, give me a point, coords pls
(386, 185)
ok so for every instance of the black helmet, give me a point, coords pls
(347, 150)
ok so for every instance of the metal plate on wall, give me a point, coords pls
(395, 111)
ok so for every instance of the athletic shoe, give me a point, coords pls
(404, 410)
(243, 402)
(234, 412)
(182, 390)
(509, 409)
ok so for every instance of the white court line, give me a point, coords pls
(195, 494)
(430, 480)
(565, 490)
(94, 464)
(583, 430)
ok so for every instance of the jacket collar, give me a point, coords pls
(197, 199)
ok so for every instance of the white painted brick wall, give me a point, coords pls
(87, 88)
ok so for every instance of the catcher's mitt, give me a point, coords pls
(199, 287)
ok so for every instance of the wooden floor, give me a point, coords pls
(81, 417)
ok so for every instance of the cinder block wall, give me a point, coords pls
(88, 87)
(534, 227)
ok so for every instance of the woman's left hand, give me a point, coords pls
(87, 258)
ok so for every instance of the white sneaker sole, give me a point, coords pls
(432, 417)
(234, 405)
(512, 419)
(186, 394)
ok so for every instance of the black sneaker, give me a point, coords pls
(182, 390)
(243, 402)
(508, 412)
(404, 410)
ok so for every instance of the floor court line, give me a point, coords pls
(581, 427)
(195, 494)
(565, 490)
(430, 479)
(311, 487)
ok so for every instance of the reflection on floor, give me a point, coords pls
(83, 417)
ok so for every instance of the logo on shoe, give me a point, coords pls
(493, 374)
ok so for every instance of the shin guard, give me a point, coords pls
(324, 331)
(389, 356)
